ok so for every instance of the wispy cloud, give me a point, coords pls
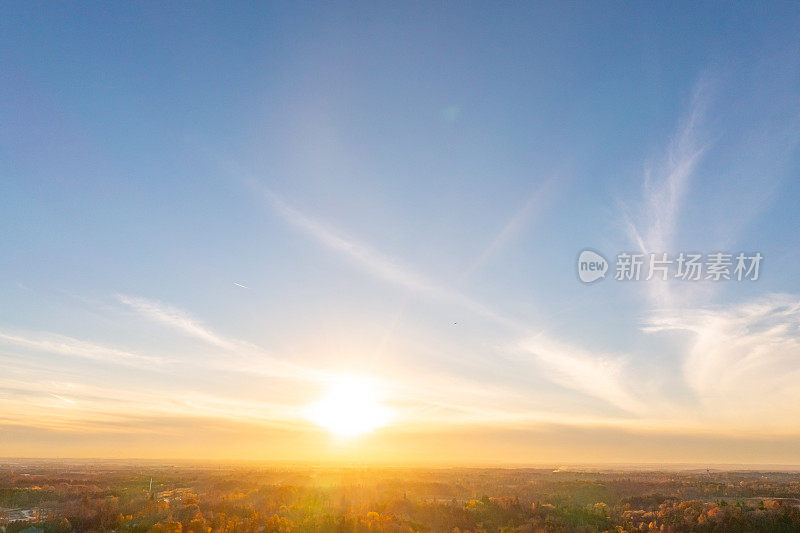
(742, 360)
(177, 319)
(28, 399)
(30, 402)
(567, 366)
(242, 356)
(365, 257)
(424, 400)
(596, 374)
(378, 264)
(68, 346)
(651, 226)
(666, 184)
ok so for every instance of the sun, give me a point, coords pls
(350, 407)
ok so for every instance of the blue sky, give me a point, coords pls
(211, 211)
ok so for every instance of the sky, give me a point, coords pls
(349, 232)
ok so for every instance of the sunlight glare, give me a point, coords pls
(350, 407)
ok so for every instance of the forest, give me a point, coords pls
(90, 497)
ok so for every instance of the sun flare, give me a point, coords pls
(351, 406)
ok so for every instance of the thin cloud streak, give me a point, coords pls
(533, 207)
(176, 319)
(558, 359)
(379, 265)
(61, 345)
(241, 355)
(104, 411)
